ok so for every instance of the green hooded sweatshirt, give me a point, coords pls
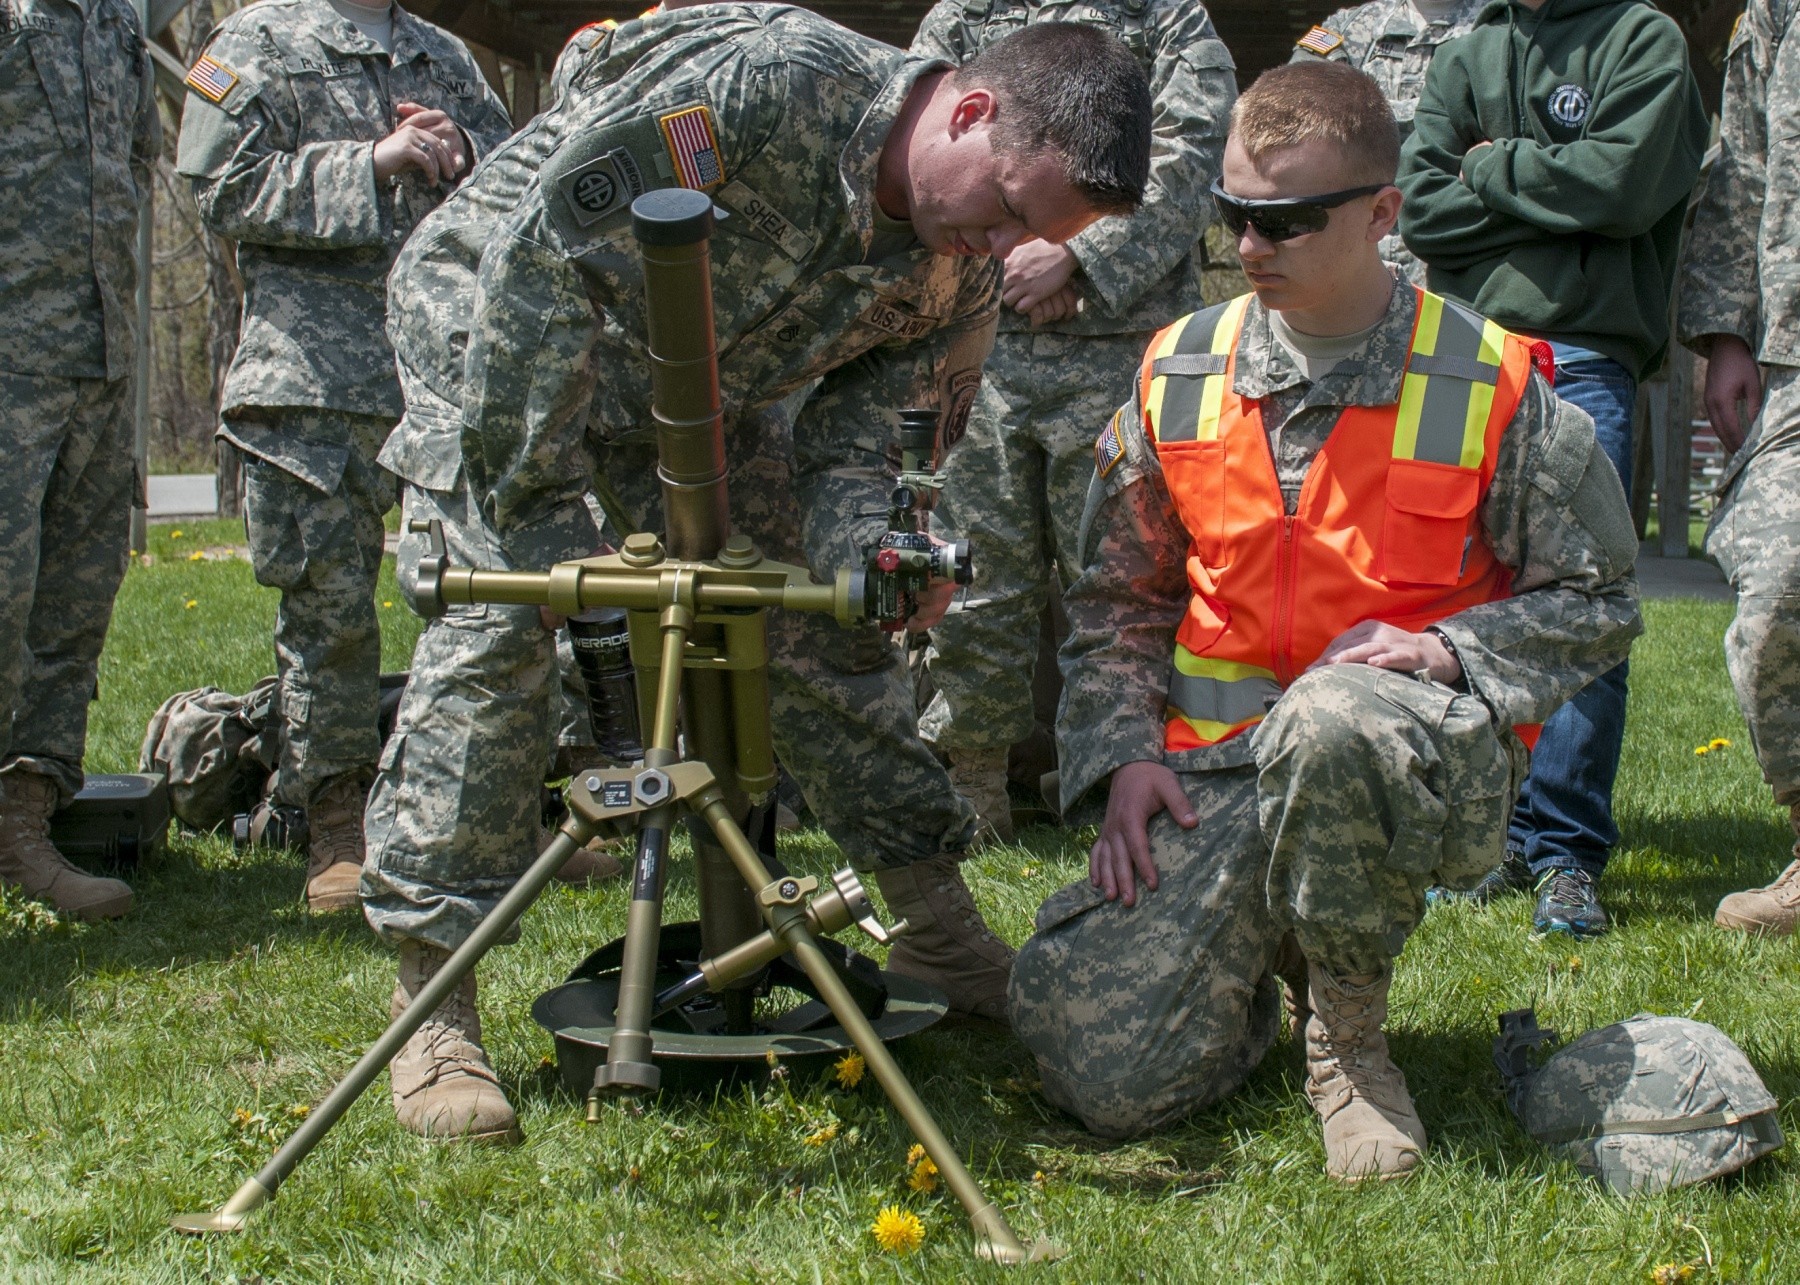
(1568, 226)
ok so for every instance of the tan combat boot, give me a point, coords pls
(1371, 1127)
(947, 942)
(31, 862)
(980, 777)
(1289, 965)
(334, 844)
(1773, 911)
(596, 863)
(444, 1088)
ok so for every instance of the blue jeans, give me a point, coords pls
(1564, 816)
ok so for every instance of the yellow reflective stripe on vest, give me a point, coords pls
(1212, 391)
(1187, 407)
(1443, 416)
(1217, 697)
(1153, 406)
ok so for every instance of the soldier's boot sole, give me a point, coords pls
(1772, 911)
(1368, 1143)
(32, 864)
(947, 944)
(444, 1088)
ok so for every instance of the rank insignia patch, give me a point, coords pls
(1320, 41)
(1109, 450)
(211, 79)
(693, 147)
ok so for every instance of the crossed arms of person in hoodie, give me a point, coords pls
(1482, 172)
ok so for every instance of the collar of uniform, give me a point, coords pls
(1371, 378)
(862, 154)
(410, 37)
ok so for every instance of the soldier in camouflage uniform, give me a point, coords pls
(1393, 41)
(317, 134)
(517, 319)
(1074, 320)
(1736, 311)
(1282, 816)
(78, 133)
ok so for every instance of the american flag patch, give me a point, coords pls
(211, 79)
(1109, 450)
(693, 147)
(1320, 41)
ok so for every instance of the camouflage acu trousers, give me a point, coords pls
(452, 820)
(322, 549)
(1015, 486)
(1367, 787)
(65, 514)
(1755, 535)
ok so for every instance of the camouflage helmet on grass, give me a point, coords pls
(1644, 1104)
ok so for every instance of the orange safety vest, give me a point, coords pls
(1388, 521)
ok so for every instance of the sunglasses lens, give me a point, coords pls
(1231, 214)
(1282, 224)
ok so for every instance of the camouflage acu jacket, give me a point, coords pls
(1741, 275)
(1137, 273)
(78, 131)
(278, 136)
(1386, 39)
(1554, 513)
(517, 308)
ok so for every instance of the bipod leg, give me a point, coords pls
(260, 1190)
(628, 1070)
(995, 1240)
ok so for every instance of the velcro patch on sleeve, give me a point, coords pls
(1321, 41)
(211, 79)
(693, 147)
(601, 186)
(1109, 449)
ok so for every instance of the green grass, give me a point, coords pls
(147, 1066)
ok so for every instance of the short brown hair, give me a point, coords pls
(1077, 91)
(1300, 101)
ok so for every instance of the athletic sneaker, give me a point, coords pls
(1511, 877)
(1568, 903)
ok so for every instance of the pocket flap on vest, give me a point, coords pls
(1424, 539)
(1432, 490)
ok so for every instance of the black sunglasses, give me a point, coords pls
(1288, 217)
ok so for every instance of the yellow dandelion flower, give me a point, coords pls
(300, 1110)
(387, 602)
(914, 1154)
(191, 603)
(1718, 743)
(1027, 872)
(1574, 963)
(242, 1117)
(924, 1176)
(849, 1069)
(820, 1136)
(897, 1230)
(198, 555)
(1039, 1178)
(1672, 1273)
(175, 535)
(770, 1058)
(1703, 749)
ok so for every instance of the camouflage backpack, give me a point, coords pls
(219, 751)
(1644, 1104)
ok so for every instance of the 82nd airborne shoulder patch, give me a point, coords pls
(1321, 41)
(1109, 449)
(211, 79)
(693, 147)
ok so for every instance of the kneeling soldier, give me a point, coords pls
(1374, 546)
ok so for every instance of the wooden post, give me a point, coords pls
(1676, 464)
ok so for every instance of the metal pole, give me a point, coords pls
(140, 428)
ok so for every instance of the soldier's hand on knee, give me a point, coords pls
(1121, 854)
(1387, 647)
